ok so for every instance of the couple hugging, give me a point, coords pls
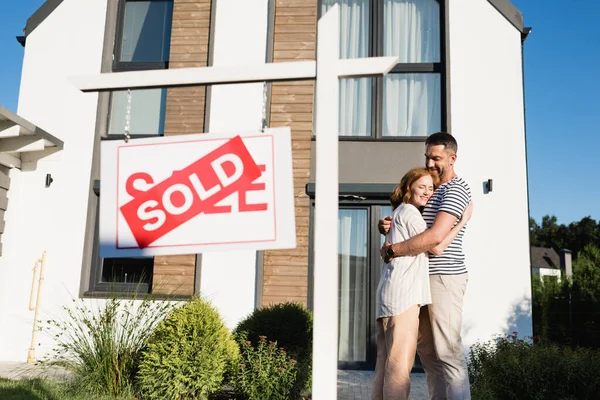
(424, 278)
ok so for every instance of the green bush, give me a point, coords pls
(188, 355)
(290, 325)
(100, 342)
(512, 368)
(265, 371)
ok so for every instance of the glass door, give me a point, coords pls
(354, 286)
(359, 266)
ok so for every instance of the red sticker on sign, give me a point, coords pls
(194, 190)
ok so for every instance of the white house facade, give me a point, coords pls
(460, 70)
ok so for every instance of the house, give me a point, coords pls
(546, 262)
(460, 70)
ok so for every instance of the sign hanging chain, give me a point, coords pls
(128, 117)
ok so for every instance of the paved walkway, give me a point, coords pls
(356, 385)
(18, 370)
(352, 385)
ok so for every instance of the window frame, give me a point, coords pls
(96, 286)
(123, 66)
(376, 49)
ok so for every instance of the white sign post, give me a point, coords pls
(327, 70)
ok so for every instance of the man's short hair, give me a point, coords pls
(442, 138)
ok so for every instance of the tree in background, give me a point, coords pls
(574, 236)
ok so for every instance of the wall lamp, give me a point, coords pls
(488, 185)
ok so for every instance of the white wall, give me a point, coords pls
(488, 122)
(51, 219)
(229, 279)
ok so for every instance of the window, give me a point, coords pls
(143, 41)
(118, 275)
(409, 101)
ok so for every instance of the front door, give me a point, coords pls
(359, 270)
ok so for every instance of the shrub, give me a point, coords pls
(188, 355)
(290, 325)
(101, 343)
(512, 368)
(265, 371)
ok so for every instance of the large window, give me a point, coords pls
(142, 42)
(408, 102)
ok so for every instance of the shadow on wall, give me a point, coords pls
(520, 320)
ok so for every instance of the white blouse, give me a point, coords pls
(405, 281)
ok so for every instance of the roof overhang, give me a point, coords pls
(19, 137)
(510, 12)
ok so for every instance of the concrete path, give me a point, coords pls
(356, 385)
(18, 370)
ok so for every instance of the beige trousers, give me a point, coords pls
(440, 345)
(396, 349)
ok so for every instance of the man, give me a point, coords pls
(439, 346)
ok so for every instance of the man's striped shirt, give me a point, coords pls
(452, 197)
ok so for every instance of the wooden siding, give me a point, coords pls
(184, 115)
(286, 271)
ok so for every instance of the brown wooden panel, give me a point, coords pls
(187, 18)
(300, 290)
(166, 261)
(303, 128)
(291, 89)
(184, 115)
(301, 154)
(297, 3)
(289, 117)
(295, 37)
(289, 28)
(295, 83)
(301, 145)
(286, 271)
(295, 46)
(295, 54)
(297, 20)
(286, 281)
(291, 270)
(293, 98)
(178, 270)
(282, 11)
(173, 290)
(192, 5)
(291, 108)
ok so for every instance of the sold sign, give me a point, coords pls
(189, 192)
(179, 195)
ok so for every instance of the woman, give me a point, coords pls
(404, 287)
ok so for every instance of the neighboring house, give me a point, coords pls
(546, 262)
(460, 70)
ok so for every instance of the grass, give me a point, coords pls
(41, 389)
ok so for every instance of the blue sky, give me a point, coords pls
(562, 55)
